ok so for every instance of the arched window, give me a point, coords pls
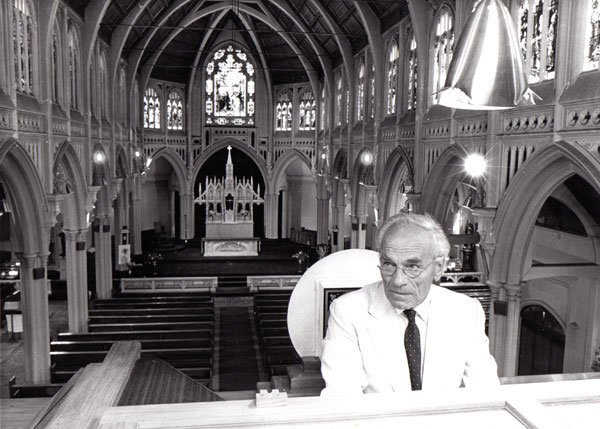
(443, 46)
(411, 84)
(284, 112)
(230, 88)
(538, 22)
(103, 87)
(122, 96)
(74, 69)
(174, 111)
(151, 109)
(392, 77)
(23, 40)
(323, 107)
(591, 60)
(56, 63)
(306, 121)
(93, 88)
(372, 92)
(360, 93)
(136, 104)
(347, 117)
(338, 100)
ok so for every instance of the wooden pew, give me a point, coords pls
(161, 326)
(137, 335)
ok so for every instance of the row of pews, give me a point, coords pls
(271, 316)
(175, 328)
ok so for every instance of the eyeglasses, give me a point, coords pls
(411, 271)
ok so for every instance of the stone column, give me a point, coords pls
(172, 215)
(495, 320)
(285, 233)
(77, 290)
(135, 221)
(513, 294)
(359, 231)
(186, 216)
(36, 326)
(323, 196)
(341, 217)
(103, 260)
(271, 207)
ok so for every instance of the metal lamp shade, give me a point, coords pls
(486, 72)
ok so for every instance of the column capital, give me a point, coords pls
(513, 292)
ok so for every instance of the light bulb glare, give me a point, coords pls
(475, 165)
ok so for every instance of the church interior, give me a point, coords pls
(179, 180)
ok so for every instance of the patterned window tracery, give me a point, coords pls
(56, 61)
(443, 47)
(338, 100)
(538, 23)
(103, 87)
(306, 120)
(74, 69)
(592, 37)
(392, 77)
(23, 37)
(151, 109)
(323, 108)
(122, 97)
(360, 93)
(230, 88)
(412, 74)
(372, 93)
(284, 112)
(174, 111)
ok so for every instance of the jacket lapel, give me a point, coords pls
(436, 342)
(387, 334)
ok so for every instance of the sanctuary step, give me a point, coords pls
(232, 286)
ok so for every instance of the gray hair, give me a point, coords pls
(424, 221)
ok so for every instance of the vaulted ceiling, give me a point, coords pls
(180, 33)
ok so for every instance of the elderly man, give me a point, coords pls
(404, 333)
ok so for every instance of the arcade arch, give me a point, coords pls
(364, 198)
(396, 181)
(340, 201)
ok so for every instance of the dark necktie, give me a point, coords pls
(412, 344)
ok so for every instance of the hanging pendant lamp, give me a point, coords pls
(486, 72)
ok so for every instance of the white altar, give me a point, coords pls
(229, 214)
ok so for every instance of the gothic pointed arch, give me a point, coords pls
(175, 162)
(398, 173)
(26, 197)
(258, 160)
(69, 179)
(362, 177)
(284, 161)
(523, 199)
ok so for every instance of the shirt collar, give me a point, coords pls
(422, 309)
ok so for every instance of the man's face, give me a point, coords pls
(411, 250)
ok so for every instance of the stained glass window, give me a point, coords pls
(360, 93)
(392, 77)
(443, 46)
(103, 87)
(174, 111)
(23, 37)
(338, 100)
(591, 59)
(122, 96)
(372, 92)
(230, 88)
(56, 61)
(151, 109)
(538, 23)
(411, 90)
(306, 120)
(347, 118)
(284, 112)
(74, 70)
(136, 104)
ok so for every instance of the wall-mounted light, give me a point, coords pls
(99, 157)
(366, 158)
(475, 165)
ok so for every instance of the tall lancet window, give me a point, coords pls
(174, 111)
(74, 69)
(230, 88)
(122, 102)
(323, 107)
(411, 84)
(360, 93)
(23, 40)
(392, 77)
(151, 109)
(591, 59)
(372, 92)
(443, 47)
(306, 119)
(538, 23)
(284, 112)
(347, 117)
(338, 100)
(56, 63)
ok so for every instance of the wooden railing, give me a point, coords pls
(257, 283)
(169, 284)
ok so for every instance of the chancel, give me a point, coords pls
(191, 193)
(229, 204)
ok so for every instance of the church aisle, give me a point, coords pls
(238, 366)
